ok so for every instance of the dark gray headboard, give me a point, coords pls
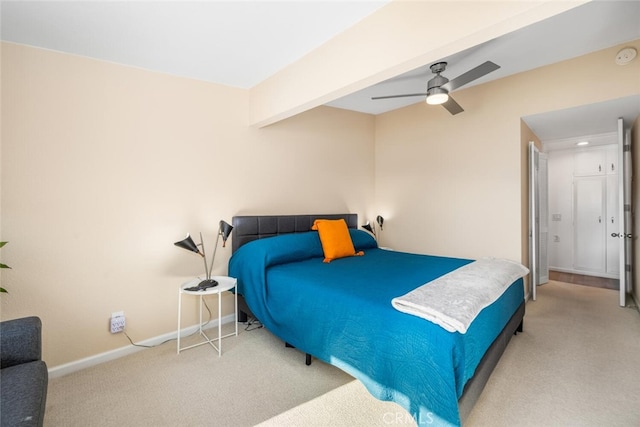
(251, 227)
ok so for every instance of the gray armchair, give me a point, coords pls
(23, 374)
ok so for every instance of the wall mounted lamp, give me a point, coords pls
(371, 228)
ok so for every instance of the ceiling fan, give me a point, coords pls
(438, 87)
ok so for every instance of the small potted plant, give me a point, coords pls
(3, 290)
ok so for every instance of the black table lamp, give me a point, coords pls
(224, 230)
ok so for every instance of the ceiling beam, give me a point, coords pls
(399, 37)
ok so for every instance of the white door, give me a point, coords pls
(538, 219)
(612, 220)
(590, 223)
(543, 219)
(533, 227)
(624, 210)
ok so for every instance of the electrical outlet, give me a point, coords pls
(117, 322)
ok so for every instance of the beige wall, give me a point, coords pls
(452, 185)
(105, 166)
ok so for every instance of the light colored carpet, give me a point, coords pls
(576, 364)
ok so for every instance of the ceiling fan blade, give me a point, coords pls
(398, 96)
(452, 106)
(471, 75)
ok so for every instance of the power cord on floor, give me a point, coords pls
(142, 345)
(172, 339)
(250, 323)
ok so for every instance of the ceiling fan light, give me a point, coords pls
(437, 98)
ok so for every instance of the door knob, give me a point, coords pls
(622, 235)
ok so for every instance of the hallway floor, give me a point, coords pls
(581, 279)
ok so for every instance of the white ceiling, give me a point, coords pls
(241, 43)
(235, 43)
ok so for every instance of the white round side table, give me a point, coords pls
(225, 283)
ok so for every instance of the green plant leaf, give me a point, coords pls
(3, 290)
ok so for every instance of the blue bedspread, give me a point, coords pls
(341, 313)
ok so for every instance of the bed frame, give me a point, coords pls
(252, 227)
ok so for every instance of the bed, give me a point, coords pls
(341, 313)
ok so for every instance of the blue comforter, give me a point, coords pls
(341, 313)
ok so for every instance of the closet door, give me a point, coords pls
(589, 162)
(612, 226)
(590, 223)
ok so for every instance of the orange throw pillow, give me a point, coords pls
(335, 238)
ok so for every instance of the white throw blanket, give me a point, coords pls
(455, 299)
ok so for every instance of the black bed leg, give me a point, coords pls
(520, 327)
(307, 359)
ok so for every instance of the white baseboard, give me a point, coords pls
(77, 365)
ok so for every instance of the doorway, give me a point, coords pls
(561, 127)
(583, 206)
